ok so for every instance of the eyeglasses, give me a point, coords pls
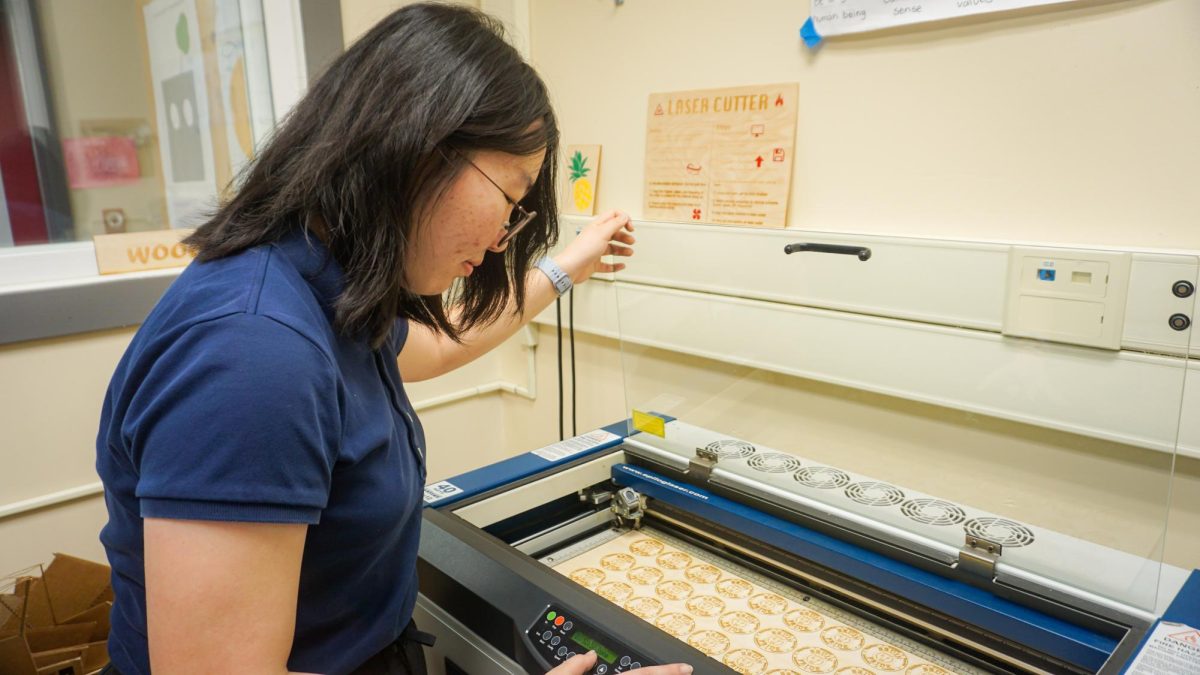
(518, 217)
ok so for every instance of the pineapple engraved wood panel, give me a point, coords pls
(582, 170)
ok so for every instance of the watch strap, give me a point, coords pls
(560, 279)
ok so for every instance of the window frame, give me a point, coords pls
(55, 289)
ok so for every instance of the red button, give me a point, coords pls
(559, 621)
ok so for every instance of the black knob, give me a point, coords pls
(1179, 321)
(1183, 289)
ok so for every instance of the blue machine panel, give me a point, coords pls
(1185, 609)
(508, 471)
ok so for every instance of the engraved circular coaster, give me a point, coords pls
(746, 661)
(645, 576)
(884, 657)
(646, 547)
(775, 640)
(674, 590)
(804, 620)
(854, 670)
(674, 560)
(844, 638)
(705, 605)
(587, 577)
(927, 669)
(735, 588)
(646, 608)
(703, 573)
(617, 562)
(676, 623)
(769, 603)
(615, 591)
(814, 660)
(742, 623)
(711, 642)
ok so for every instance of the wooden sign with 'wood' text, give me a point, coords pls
(141, 251)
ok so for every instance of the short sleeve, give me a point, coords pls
(237, 420)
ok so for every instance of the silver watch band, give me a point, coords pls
(560, 279)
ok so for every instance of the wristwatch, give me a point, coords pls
(561, 280)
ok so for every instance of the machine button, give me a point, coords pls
(562, 651)
(635, 665)
(601, 669)
(571, 655)
(546, 635)
(551, 615)
(559, 621)
(624, 660)
(555, 640)
(568, 625)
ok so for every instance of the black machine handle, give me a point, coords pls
(862, 252)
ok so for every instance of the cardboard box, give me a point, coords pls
(55, 621)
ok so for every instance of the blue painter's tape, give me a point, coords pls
(1074, 644)
(1185, 609)
(513, 469)
(808, 33)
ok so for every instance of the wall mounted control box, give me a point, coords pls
(1072, 296)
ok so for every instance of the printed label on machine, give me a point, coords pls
(1172, 648)
(441, 490)
(576, 445)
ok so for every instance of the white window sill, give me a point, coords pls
(54, 289)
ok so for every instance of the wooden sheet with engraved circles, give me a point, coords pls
(747, 627)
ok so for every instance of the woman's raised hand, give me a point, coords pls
(609, 234)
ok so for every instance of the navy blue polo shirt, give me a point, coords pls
(237, 401)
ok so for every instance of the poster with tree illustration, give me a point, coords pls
(582, 170)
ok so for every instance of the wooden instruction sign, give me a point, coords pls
(140, 251)
(721, 156)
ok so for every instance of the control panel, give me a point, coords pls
(1072, 296)
(556, 636)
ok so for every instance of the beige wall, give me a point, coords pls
(1051, 125)
(1071, 124)
(51, 392)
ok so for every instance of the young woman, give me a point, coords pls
(263, 468)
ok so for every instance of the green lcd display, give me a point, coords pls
(588, 642)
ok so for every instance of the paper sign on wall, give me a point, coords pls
(842, 17)
(721, 156)
(181, 110)
(103, 161)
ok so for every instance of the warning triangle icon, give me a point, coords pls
(1191, 637)
(658, 111)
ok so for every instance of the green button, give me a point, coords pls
(550, 616)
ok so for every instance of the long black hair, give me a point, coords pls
(373, 145)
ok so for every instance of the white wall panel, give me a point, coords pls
(1124, 396)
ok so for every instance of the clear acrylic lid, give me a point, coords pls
(927, 394)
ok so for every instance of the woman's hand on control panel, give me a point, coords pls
(584, 664)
